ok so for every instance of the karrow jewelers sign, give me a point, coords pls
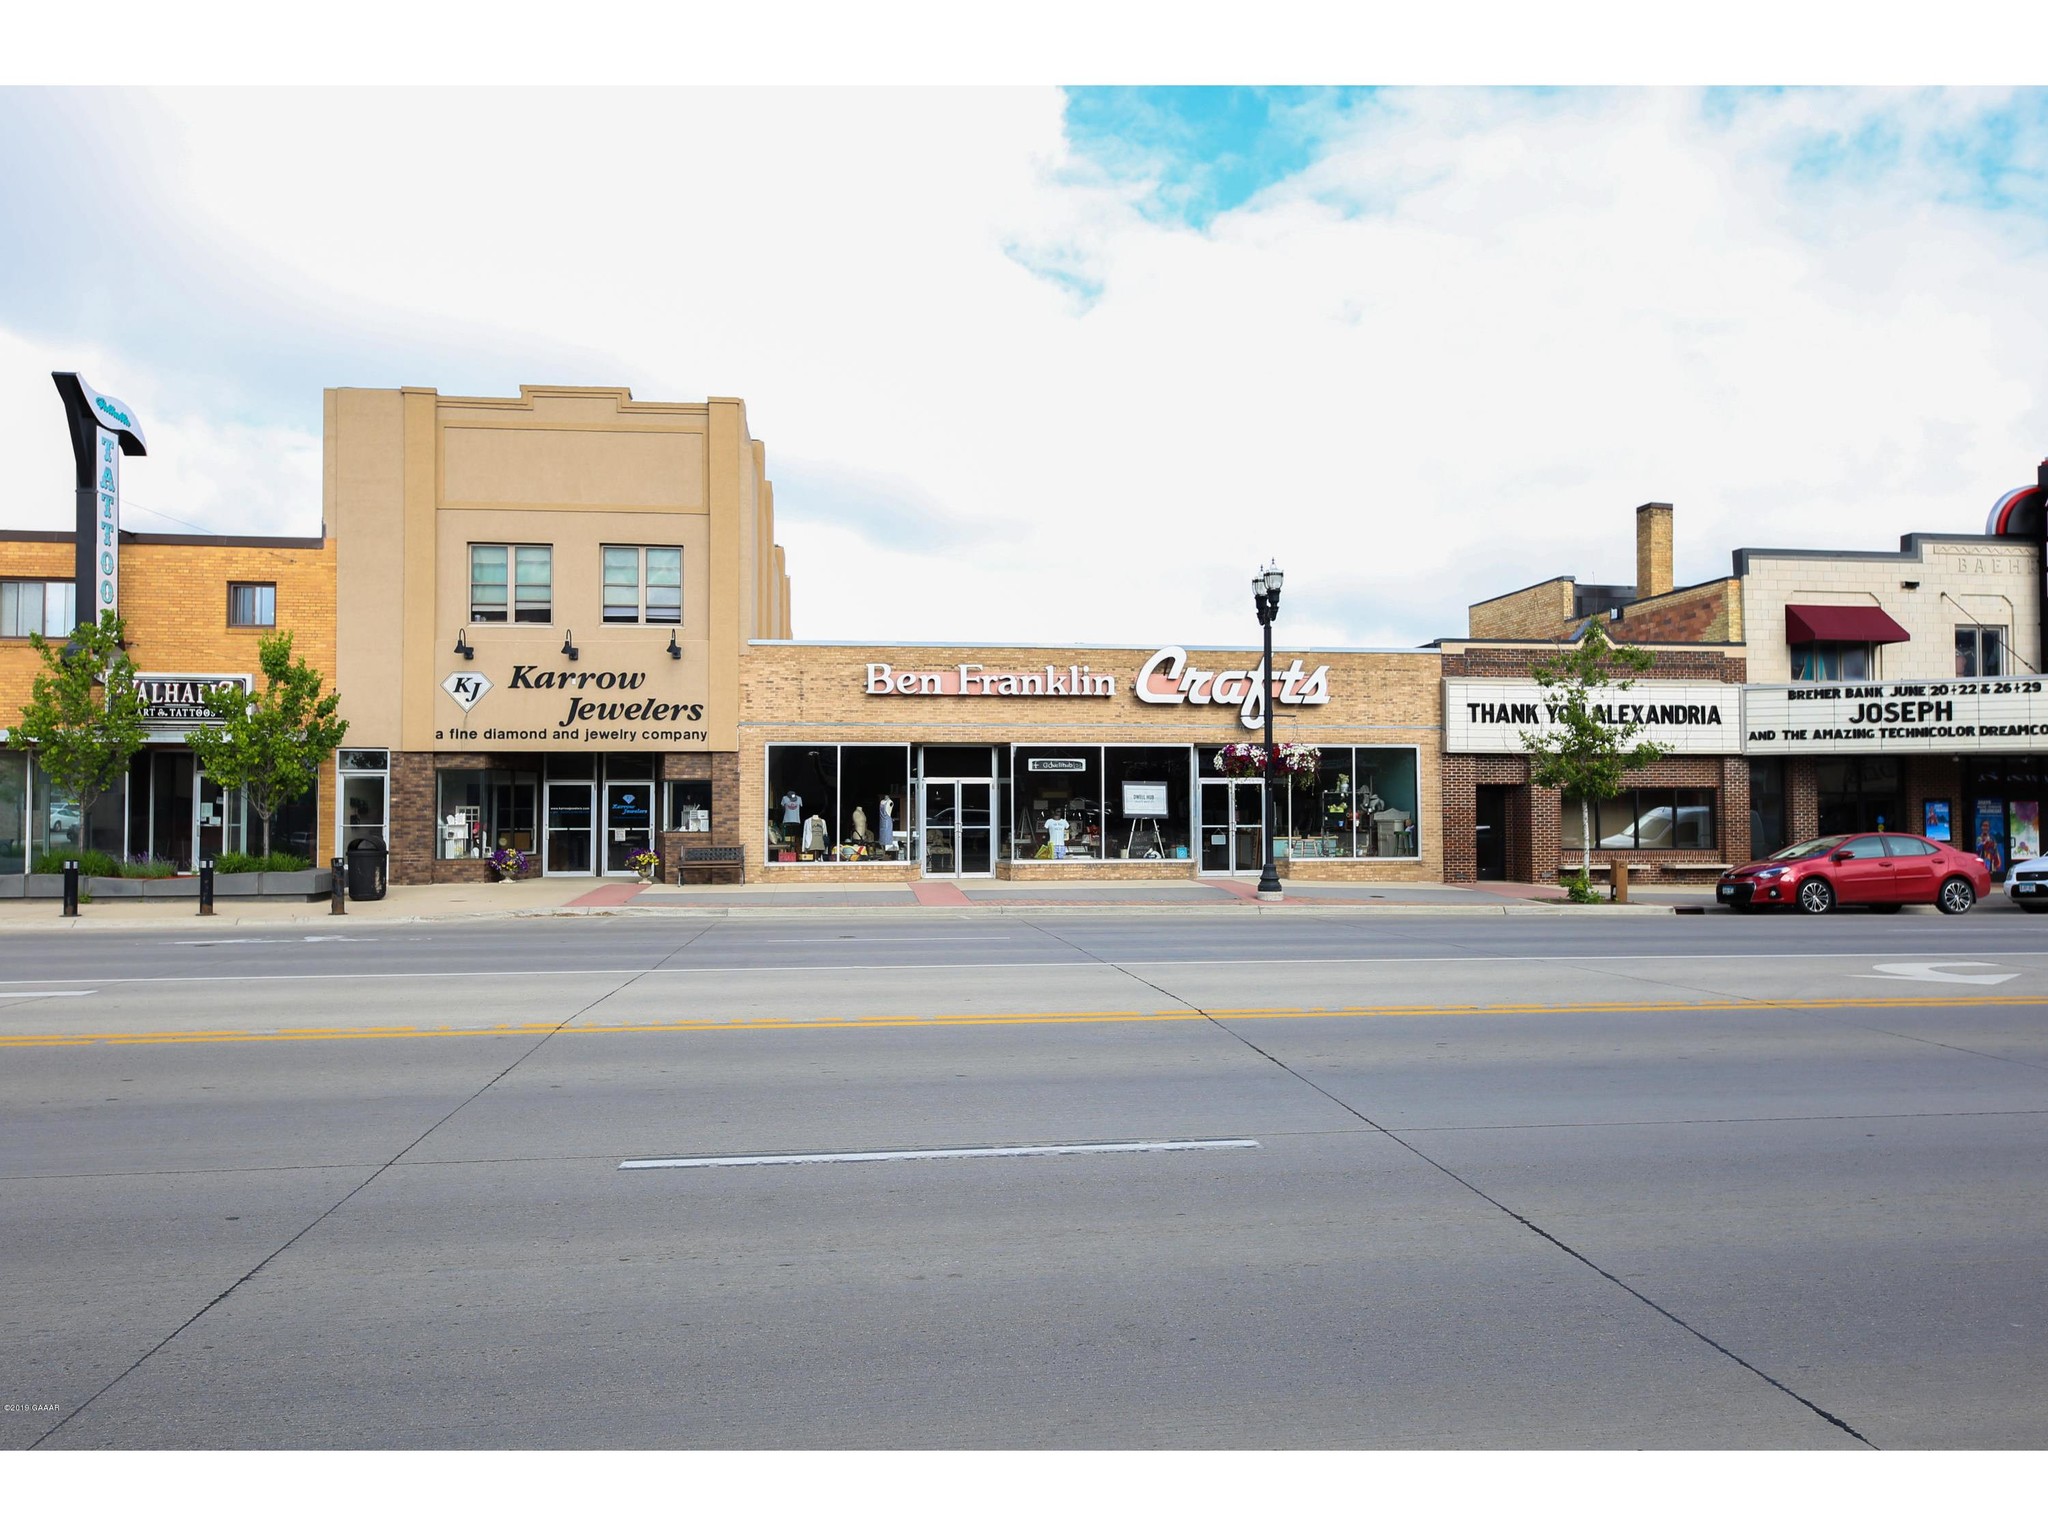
(102, 429)
(1691, 719)
(585, 705)
(1936, 715)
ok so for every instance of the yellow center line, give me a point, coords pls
(975, 1020)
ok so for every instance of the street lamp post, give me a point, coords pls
(1266, 601)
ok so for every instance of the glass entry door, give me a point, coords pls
(628, 824)
(569, 846)
(959, 827)
(1231, 826)
(217, 816)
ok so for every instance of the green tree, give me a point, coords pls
(1585, 753)
(270, 744)
(83, 718)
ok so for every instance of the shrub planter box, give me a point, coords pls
(301, 885)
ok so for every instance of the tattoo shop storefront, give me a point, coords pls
(1021, 763)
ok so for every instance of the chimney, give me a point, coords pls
(1653, 549)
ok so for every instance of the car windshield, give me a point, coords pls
(1805, 850)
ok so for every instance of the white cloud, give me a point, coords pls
(200, 474)
(1446, 359)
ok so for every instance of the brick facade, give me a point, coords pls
(1534, 834)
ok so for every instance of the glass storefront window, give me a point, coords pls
(13, 813)
(874, 795)
(829, 803)
(688, 805)
(1766, 806)
(803, 803)
(1644, 819)
(1145, 790)
(479, 809)
(1322, 812)
(1059, 803)
(1385, 790)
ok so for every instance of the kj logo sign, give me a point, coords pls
(465, 688)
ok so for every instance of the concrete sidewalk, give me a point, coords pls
(597, 898)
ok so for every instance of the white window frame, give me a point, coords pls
(510, 614)
(44, 585)
(641, 610)
(1978, 632)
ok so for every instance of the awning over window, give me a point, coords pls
(1806, 622)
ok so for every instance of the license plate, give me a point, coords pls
(1727, 890)
(2024, 888)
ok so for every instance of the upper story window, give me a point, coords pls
(252, 605)
(1980, 650)
(643, 584)
(37, 608)
(1826, 661)
(511, 583)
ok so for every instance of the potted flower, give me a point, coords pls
(505, 863)
(644, 862)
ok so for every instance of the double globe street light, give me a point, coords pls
(1266, 601)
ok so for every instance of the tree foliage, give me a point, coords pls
(269, 744)
(83, 718)
(1583, 753)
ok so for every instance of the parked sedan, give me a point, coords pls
(2027, 884)
(1880, 870)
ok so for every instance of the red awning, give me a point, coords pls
(1824, 621)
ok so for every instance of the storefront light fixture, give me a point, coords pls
(674, 650)
(462, 646)
(569, 644)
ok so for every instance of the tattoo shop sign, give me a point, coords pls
(1945, 714)
(1688, 719)
(172, 703)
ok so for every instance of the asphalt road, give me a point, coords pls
(1546, 1180)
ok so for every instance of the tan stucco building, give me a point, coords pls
(543, 602)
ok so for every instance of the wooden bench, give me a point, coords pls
(711, 856)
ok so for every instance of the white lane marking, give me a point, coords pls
(311, 938)
(928, 1154)
(49, 994)
(214, 980)
(1938, 970)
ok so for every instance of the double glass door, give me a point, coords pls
(959, 827)
(568, 845)
(1231, 826)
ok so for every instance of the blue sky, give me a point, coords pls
(1421, 344)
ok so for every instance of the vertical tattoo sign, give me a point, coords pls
(102, 429)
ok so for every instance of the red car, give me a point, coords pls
(1880, 870)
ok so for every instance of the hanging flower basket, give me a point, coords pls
(1247, 760)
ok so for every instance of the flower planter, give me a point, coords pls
(301, 885)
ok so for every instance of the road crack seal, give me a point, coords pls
(1506, 1210)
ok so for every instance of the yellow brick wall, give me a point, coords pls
(174, 596)
(1541, 612)
(817, 693)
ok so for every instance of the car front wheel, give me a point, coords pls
(1956, 896)
(1816, 897)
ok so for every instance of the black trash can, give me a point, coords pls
(366, 860)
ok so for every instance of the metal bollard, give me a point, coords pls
(71, 887)
(339, 896)
(206, 887)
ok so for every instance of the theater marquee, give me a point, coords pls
(1685, 719)
(1934, 715)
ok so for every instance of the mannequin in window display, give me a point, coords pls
(886, 808)
(860, 827)
(814, 835)
(1056, 834)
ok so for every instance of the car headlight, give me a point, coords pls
(1769, 874)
